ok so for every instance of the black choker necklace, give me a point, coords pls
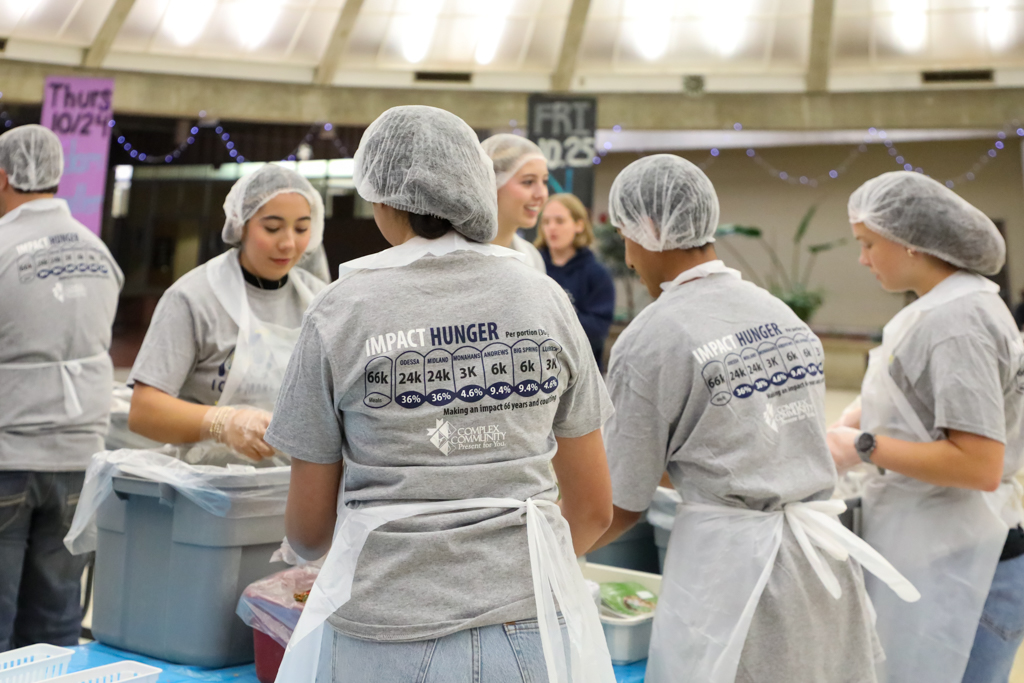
(257, 281)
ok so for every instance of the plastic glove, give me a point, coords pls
(841, 442)
(240, 429)
(850, 416)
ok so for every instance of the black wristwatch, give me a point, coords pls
(865, 446)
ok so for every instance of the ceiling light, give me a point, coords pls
(186, 19)
(999, 23)
(20, 9)
(418, 29)
(254, 19)
(650, 24)
(491, 26)
(910, 23)
(724, 25)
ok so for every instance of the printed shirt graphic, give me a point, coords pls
(60, 287)
(720, 384)
(446, 379)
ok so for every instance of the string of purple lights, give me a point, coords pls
(303, 149)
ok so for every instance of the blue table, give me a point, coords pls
(96, 654)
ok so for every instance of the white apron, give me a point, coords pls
(92, 376)
(718, 563)
(719, 560)
(556, 574)
(262, 349)
(946, 540)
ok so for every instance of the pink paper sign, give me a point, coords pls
(79, 110)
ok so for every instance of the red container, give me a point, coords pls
(269, 654)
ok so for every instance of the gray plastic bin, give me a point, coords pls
(634, 549)
(169, 575)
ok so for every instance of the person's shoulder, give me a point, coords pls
(593, 265)
(979, 315)
(347, 291)
(656, 330)
(193, 288)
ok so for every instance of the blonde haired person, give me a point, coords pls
(563, 240)
(942, 415)
(521, 176)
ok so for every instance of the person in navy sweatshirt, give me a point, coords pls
(563, 239)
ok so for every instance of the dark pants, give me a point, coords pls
(40, 581)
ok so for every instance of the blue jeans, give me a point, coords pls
(503, 653)
(1002, 626)
(40, 581)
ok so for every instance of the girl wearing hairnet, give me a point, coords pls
(215, 353)
(521, 174)
(434, 386)
(720, 384)
(940, 416)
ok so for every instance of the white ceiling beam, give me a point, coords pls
(331, 59)
(821, 45)
(561, 80)
(100, 47)
(154, 94)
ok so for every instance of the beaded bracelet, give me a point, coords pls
(217, 428)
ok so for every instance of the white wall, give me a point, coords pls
(750, 196)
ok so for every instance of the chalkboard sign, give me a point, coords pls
(563, 127)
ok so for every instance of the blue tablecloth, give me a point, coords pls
(96, 654)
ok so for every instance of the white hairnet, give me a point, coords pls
(921, 213)
(32, 156)
(509, 154)
(428, 161)
(251, 192)
(664, 202)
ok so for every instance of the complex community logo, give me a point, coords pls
(440, 434)
(788, 413)
(446, 437)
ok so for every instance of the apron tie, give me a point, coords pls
(72, 406)
(556, 576)
(814, 523)
(68, 370)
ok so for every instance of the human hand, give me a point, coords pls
(240, 429)
(850, 416)
(841, 442)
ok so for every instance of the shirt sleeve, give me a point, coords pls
(964, 380)
(585, 405)
(636, 438)
(306, 424)
(168, 353)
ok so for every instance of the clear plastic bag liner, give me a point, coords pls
(269, 605)
(234, 491)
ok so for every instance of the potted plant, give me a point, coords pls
(792, 284)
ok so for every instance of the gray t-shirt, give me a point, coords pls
(446, 379)
(720, 384)
(190, 342)
(60, 288)
(962, 367)
(712, 382)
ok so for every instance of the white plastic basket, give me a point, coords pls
(34, 663)
(122, 671)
